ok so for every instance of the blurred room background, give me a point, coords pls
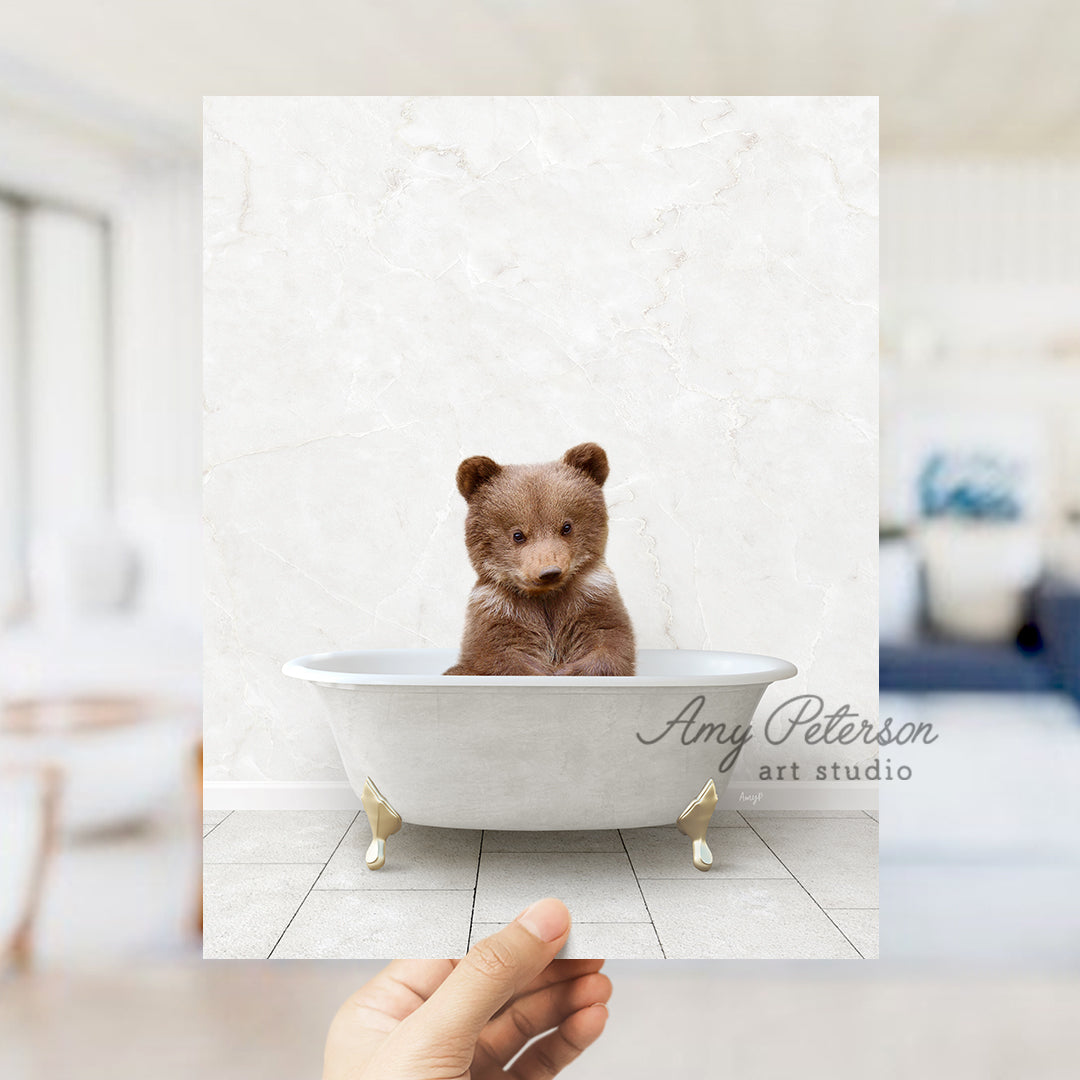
(99, 496)
(99, 527)
(980, 549)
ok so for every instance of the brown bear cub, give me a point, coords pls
(545, 602)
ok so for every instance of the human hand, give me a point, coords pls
(466, 1019)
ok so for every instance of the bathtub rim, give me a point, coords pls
(771, 669)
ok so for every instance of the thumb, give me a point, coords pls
(493, 971)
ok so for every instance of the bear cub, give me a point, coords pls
(545, 602)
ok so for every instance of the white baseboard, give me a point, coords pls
(802, 795)
(338, 795)
(279, 795)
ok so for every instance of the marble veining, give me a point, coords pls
(392, 285)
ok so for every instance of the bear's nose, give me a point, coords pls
(552, 573)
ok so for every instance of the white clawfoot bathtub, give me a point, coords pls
(537, 752)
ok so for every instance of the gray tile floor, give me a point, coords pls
(293, 884)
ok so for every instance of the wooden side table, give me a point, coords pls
(43, 784)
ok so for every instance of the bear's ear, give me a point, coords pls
(473, 472)
(590, 459)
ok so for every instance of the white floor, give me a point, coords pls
(980, 850)
(293, 884)
(257, 1021)
(122, 895)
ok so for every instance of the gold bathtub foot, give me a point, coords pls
(384, 821)
(694, 822)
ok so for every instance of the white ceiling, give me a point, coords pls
(955, 76)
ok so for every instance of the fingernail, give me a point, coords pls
(546, 919)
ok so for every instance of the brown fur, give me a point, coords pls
(516, 623)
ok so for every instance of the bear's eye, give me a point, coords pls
(566, 528)
(519, 537)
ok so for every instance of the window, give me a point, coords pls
(56, 424)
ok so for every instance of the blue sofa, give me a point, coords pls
(1044, 659)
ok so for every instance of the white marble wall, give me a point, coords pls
(392, 285)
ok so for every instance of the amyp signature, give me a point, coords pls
(804, 715)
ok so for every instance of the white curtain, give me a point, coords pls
(67, 407)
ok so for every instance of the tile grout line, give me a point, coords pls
(728, 877)
(440, 888)
(221, 822)
(341, 840)
(794, 815)
(373, 892)
(476, 886)
(641, 891)
(858, 951)
(557, 851)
